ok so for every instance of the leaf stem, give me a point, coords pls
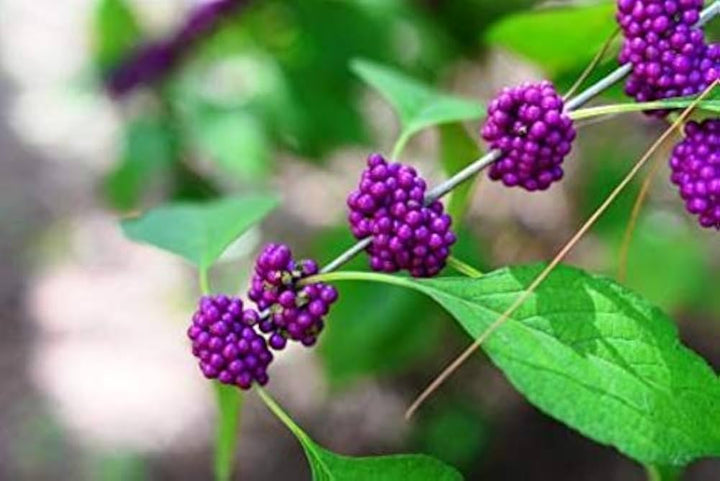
(399, 146)
(463, 267)
(278, 411)
(229, 402)
(204, 280)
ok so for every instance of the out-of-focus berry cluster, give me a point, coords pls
(695, 165)
(388, 206)
(151, 62)
(296, 312)
(225, 341)
(669, 56)
(527, 124)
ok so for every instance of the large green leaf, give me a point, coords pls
(199, 232)
(592, 354)
(557, 39)
(328, 466)
(417, 105)
(115, 31)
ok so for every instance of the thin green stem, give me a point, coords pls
(229, 402)
(204, 280)
(680, 103)
(399, 145)
(463, 267)
(358, 276)
(283, 416)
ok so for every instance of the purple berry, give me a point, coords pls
(527, 124)
(222, 354)
(388, 206)
(695, 165)
(296, 312)
(669, 56)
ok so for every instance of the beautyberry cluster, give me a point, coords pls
(389, 206)
(527, 124)
(226, 343)
(296, 312)
(669, 56)
(695, 165)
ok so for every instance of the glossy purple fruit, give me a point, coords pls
(695, 164)
(226, 343)
(527, 124)
(388, 205)
(296, 311)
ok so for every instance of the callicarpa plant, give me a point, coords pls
(583, 348)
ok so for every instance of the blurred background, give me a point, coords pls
(110, 107)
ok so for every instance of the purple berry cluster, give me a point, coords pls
(225, 341)
(695, 164)
(151, 62)
(296, 312)
(389, 206)
(669, 56)
(527, 124)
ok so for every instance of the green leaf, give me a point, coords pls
(229, 402)
(457, 151)
(199, 232)
(417, 105)
(115, 31)
(593, 355)
(557, 39)
(148, 151)
(235, 139)
(328, 466)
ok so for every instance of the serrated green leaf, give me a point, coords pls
(457, 151)
(115, 32)
(417, 105)
(557, 39)
(199, 232)
(328, 466)
(592, 354)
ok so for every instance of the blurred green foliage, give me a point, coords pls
(454, 431)
(551, 38)
(276, 77)
(115, 32)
